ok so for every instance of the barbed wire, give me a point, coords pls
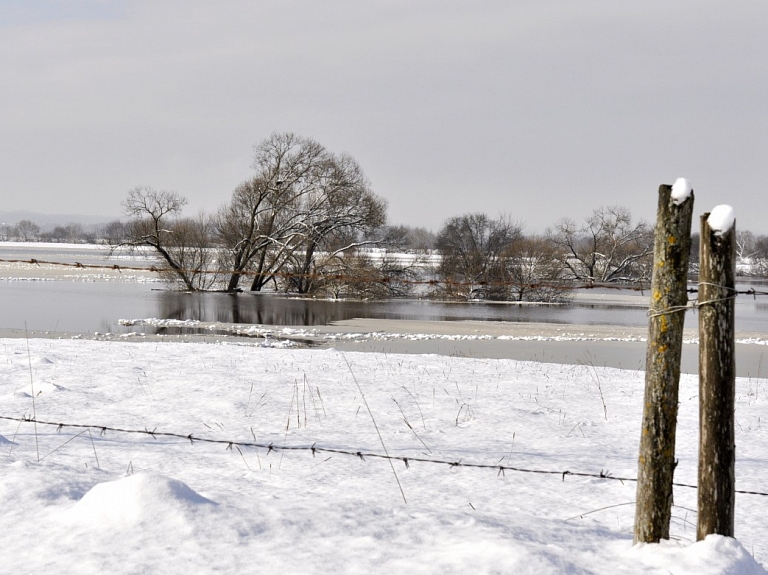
(359, 453)
(695, 304)
(639, 286)
(383, 279)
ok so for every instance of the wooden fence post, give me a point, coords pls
(717, 379)
(669, 299)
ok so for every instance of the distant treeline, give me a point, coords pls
(74, 232)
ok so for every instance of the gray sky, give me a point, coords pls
(538, 109)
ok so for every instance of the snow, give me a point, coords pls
(143, 499)
(284, 336)
(98, 502)
(681, 191)
(721, 219)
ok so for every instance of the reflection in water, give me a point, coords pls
(271, 309)
(97, 306)
(252, 309)
(279, 310)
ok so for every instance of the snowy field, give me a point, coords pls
(76, 500)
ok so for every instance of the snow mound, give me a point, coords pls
(39, 389)
(140, 499)
(721, 219)
(5, 441)
(715, 554)
(681, 191)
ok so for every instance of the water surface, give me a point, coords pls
(85, 307)
(96, 306)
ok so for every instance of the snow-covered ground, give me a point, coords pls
(76, 500)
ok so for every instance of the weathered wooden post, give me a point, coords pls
(669, 299)
(717, 374)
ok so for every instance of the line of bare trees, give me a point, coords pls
(307, 222)
(492, 259)
(28, 231)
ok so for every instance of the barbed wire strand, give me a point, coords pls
(585, 285)
(695, 303)
(333, 276)
(734, 293)
(359, 453)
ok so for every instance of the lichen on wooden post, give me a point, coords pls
(717, 381)
(669, 300)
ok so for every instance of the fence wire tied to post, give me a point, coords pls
(733, 295)
(356, 453)
(695, 303)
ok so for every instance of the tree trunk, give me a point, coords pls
(177, 269)
(234, 279)
(304, 281)
(656, 462)
(238, 265)
(717, 383)
(259, 279)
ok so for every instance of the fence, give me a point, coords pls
(639, 286)
(669, 300)
(360, 454)
(717, 371)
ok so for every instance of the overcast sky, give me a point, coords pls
(537, 109)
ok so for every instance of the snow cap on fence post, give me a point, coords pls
(681, 191)
(721, 219)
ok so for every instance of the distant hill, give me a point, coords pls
(48, 221)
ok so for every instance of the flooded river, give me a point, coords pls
(82, 306)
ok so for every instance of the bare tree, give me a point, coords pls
(473, 249)
(190, 244)
(534, 272)
(334, 215)
(379, 272)
(608, 247)
(302, 200)
(258, 230)
(27, 230)
(746, 252)
(113, 232)
(760, 256)
(421, 239)
(745, 245)
(57, 234)
(183, 245)
(72, 233)
(355, 274)
(414, 239)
